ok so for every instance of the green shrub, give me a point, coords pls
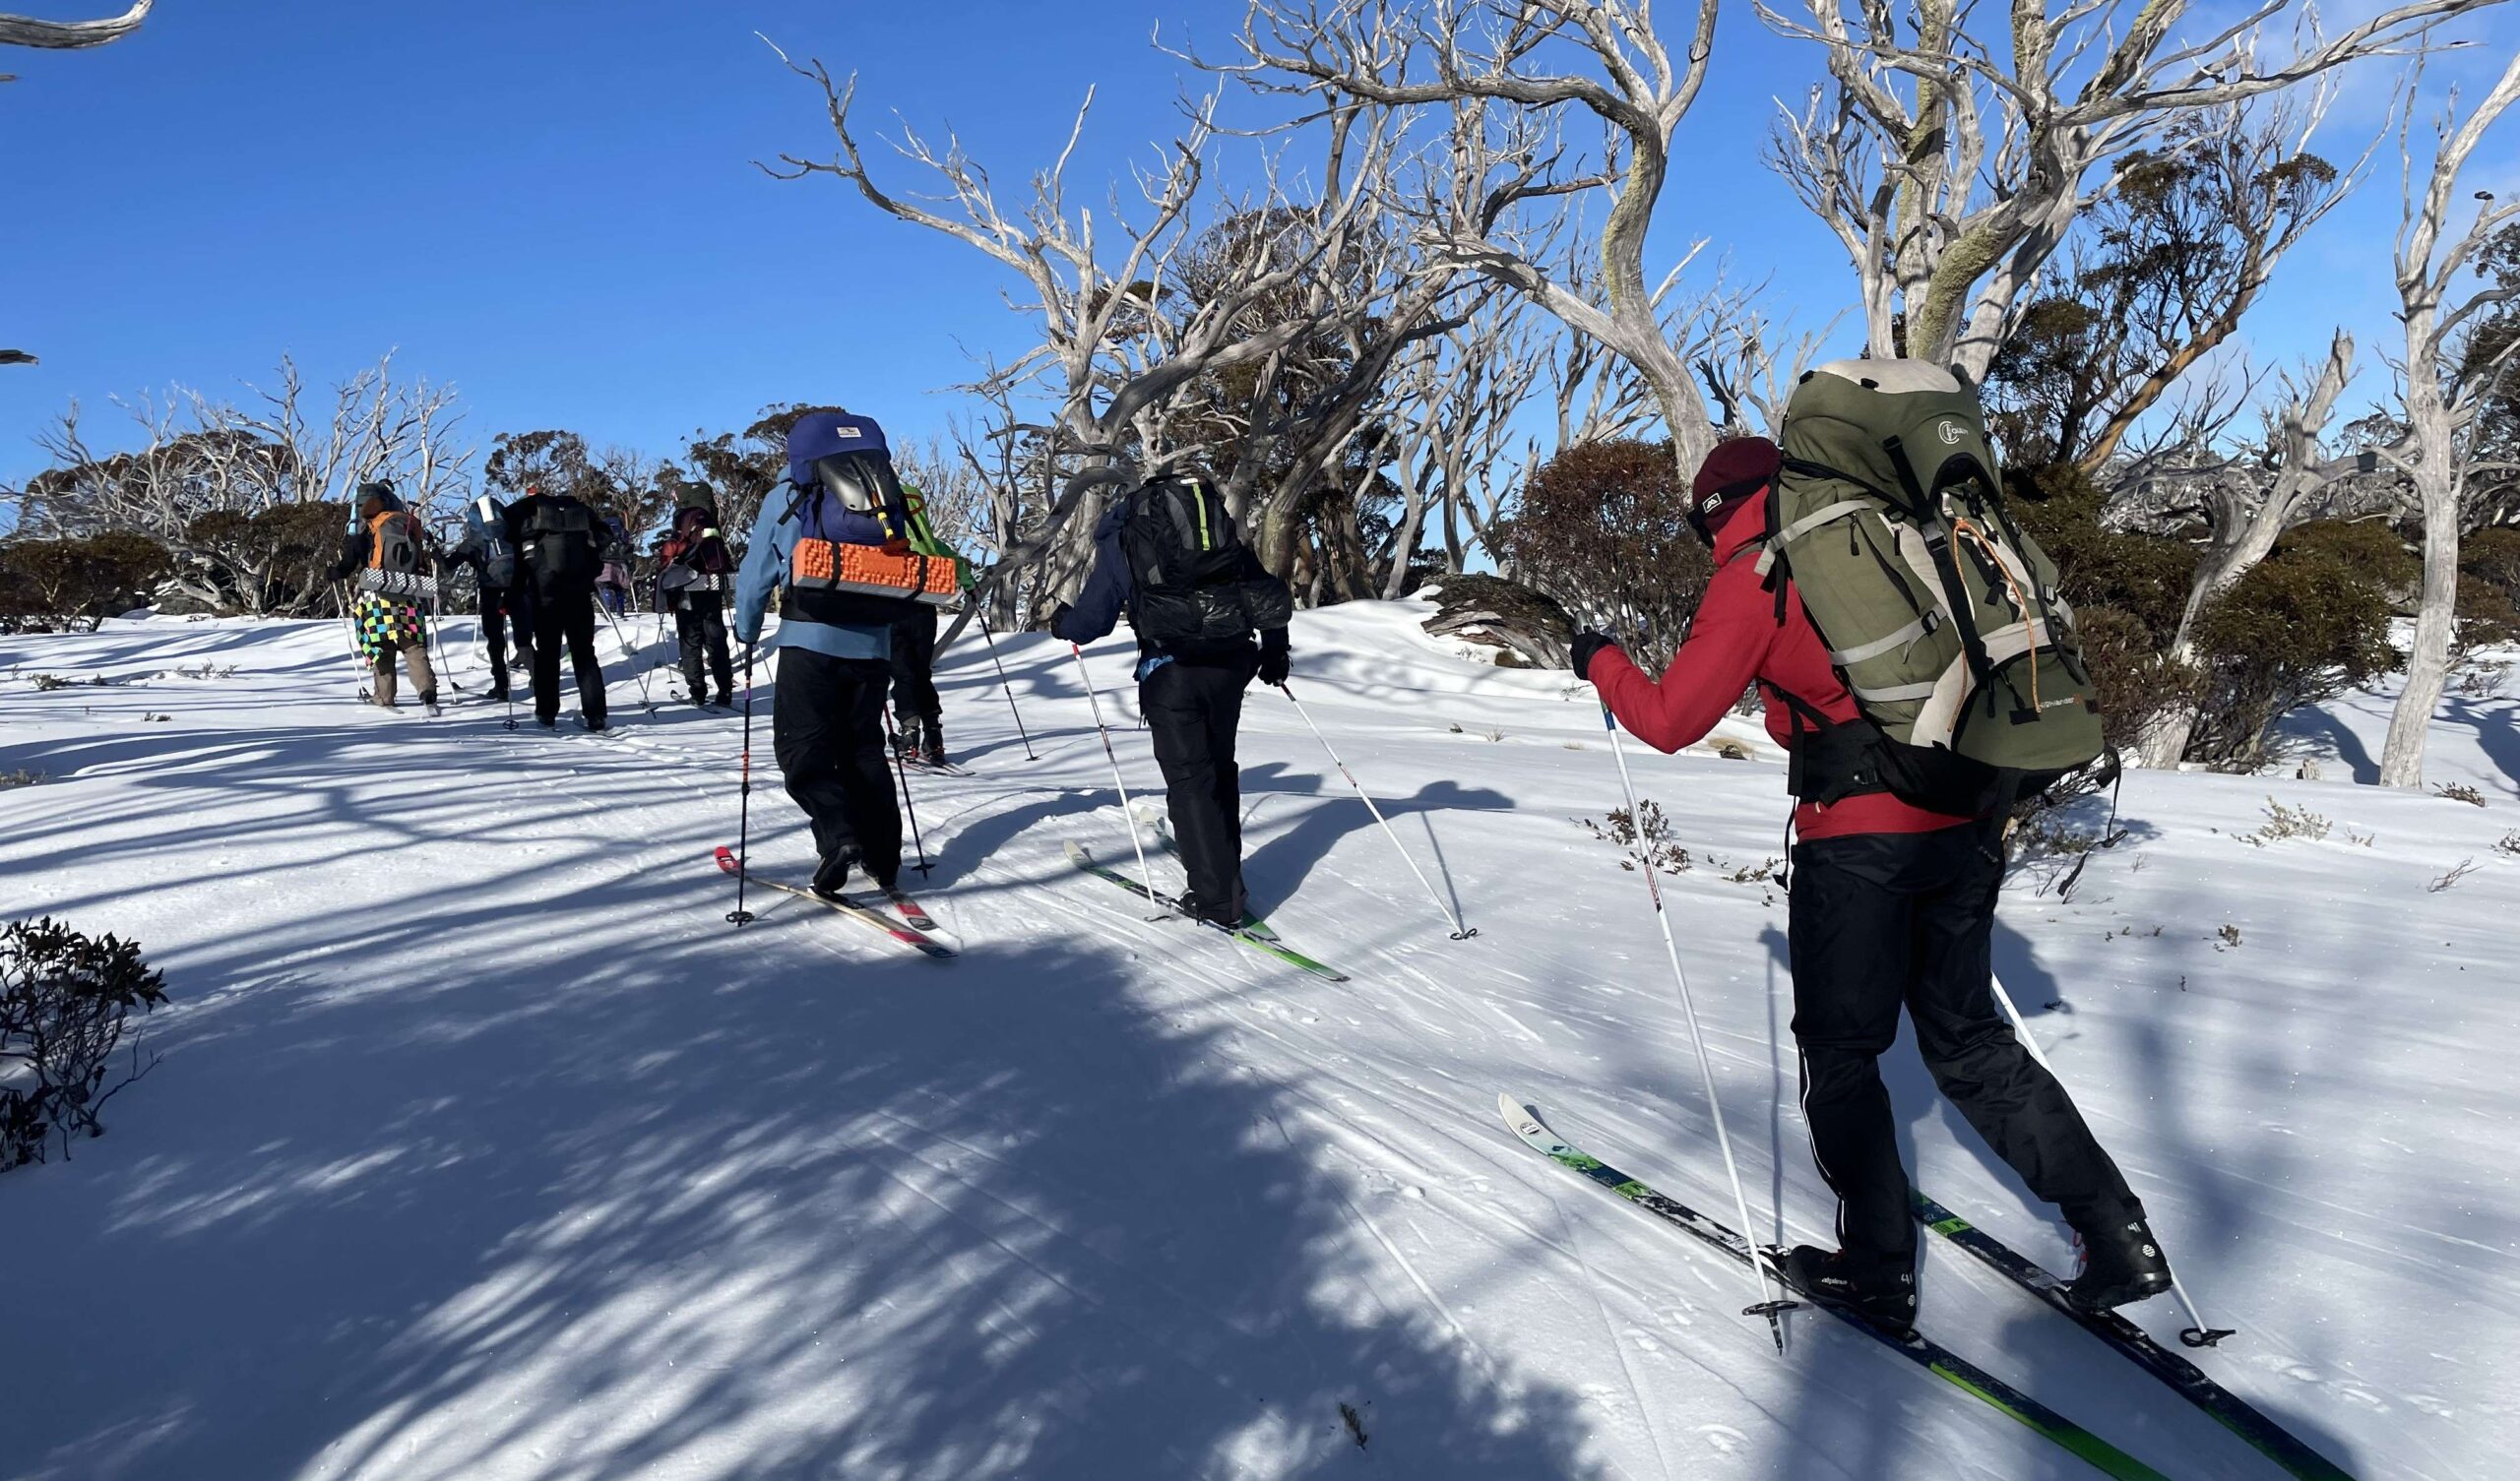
(2143, 577)
(82, 581)
(2135, 683)
(64, 1000)
(2489, 587)
(1604, 529)
(2306, 624)
(275, 561)
(2369, 549)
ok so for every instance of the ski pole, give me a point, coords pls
(1086, 675)
(893, 743)
(1007, 688)
(615, 622)
(436, 618)
(1705, 1067)
(739, 917)
(1460, 932)
(2200, 1332)
(350, 633)
(500, 673)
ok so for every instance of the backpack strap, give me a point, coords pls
(1923, 627)
(1938, 546)
(1827, 761)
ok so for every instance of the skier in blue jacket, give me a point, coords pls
(834, 647)
(1208, 618)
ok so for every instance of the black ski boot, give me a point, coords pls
(833, 876)
(2119, 1263)
(931, 742)
(1216, 915)
(1880, 1293)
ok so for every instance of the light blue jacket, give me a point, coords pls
(765, 572)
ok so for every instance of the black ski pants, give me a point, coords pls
(1194, 711)
(700, 623)
(1878, 920)
(828, 724)
(501, 607)
(566, 617)
(914, 667)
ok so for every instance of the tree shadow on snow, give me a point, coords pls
(454, 1193)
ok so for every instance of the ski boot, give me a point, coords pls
(1225, 917)
(1881, 1293)
(931, 742)
(2115, 1265)
(833, 875)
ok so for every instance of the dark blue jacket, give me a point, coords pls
(1107, 591)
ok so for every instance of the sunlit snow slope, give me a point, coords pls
(483, 1148)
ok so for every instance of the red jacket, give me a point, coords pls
(1734, 639)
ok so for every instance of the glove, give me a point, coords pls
(1273, 657)
(1059, 620)
(1589, 645)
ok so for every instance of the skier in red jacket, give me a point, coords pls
(1890, 904)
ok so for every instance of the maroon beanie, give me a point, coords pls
(1732, 473)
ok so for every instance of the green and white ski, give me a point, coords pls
(1082, 859)
(1926, 1353)
(2184, 1378)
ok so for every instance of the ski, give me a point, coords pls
(2184, 1378)
(1252, 920)
(1076, 855)
(907, 936)
(1931, 1356)
(910, 909)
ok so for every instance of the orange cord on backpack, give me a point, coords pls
(2020, 599)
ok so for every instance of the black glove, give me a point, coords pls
(1588, 645)
(1059, 619)
(1273, 656)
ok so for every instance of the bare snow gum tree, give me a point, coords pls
(2441, 301)
(1510, 74)
(1954, 145)
(1144, 313)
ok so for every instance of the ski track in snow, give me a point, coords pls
(483, 1148)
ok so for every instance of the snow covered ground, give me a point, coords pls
(483, 1148)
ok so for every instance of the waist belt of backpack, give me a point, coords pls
(1827, 761)
(397, 582)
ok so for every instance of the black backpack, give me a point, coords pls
(394, 544)
(563, 545)
(1199, 588)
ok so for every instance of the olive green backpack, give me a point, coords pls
(1941, 616)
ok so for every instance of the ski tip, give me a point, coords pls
(726, 860)
(1523, 1117)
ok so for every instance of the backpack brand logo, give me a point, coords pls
(1949, 431)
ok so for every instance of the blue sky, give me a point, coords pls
(552, 204)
